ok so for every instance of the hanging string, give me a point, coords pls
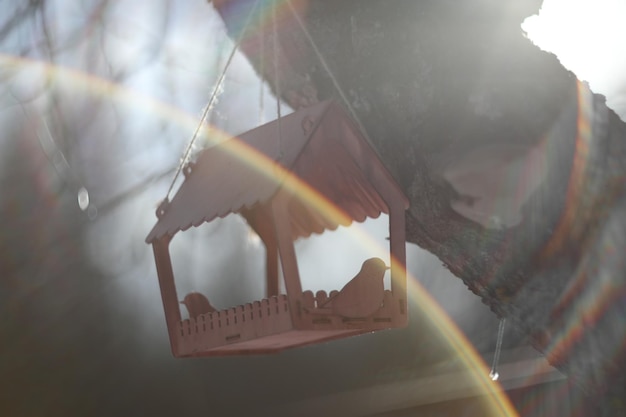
(261, 71)
(277, 81)
(211, 102)
(320, 57)
(496, 356)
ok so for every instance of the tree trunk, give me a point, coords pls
(442, 88)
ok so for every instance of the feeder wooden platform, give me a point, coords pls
(259, 328)
(308, 172)
(265, 326)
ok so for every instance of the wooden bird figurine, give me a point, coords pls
(363, 295)
(197, 304)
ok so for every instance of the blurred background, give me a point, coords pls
(98, 100)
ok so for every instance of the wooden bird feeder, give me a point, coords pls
(317, 174)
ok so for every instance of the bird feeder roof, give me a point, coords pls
(320, 157)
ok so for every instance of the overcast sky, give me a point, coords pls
(589, 38)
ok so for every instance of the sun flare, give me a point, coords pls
(587, 36)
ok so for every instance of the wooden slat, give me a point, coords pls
(271, 270)
(228, 176)
(397, 244)
(276, 343)
(287, 256)
(171, 305)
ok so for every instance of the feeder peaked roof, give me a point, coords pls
(320, 144)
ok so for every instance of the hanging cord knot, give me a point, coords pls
(162, 208)
(189, 169)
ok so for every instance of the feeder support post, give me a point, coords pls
(168, 289)
(280, 218)
(397, 249)
(397, 237)
(271, 269)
